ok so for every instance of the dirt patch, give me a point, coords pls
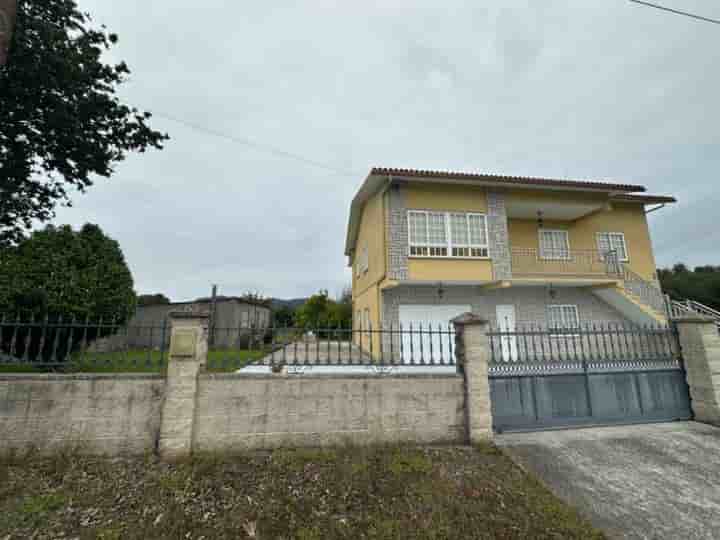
(376, 492)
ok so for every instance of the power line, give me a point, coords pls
(677, 12)
(258, 146)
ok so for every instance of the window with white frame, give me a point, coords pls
(427, 234)
(612, 241)
(563, 317)
(554, 244)
(364, 261)
(447, 234)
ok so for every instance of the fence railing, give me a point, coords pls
(70, 345)
(690, 308)
(594, 347)
(328, 345)
(582, 262)
(54, 344)
(647, 292)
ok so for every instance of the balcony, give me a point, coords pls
(585, 263)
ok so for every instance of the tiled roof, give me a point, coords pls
(503, 179)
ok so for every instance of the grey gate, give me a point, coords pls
(594, 375)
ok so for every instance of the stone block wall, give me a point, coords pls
(700, 345)
(397, 231)
(94, 414)
(236, 412)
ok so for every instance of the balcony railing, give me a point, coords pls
(529, 262)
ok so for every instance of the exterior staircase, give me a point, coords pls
(640, 300)
(684, 308)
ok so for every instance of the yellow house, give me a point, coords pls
(425, 246)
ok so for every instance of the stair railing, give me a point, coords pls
(646, 292)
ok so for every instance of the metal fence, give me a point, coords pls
(328, 345)
(55, 344)
(598, 347)
(590, 262)
(71, 345)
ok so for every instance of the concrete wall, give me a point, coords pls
(145, 329)
(236, 412)
(96, 414)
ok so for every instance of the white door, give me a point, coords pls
(505, 314)
(426, 337)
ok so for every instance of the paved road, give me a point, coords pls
(649, 481)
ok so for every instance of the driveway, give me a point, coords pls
(641, 481)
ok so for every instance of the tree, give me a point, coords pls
(701, 284)
(58, 272)
(61, 121)
(320, 311)
(158, 299)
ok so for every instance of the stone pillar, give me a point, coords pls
(187, 357)
(473, 350)
(499, 237)
(700, 344)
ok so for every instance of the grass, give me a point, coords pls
(141, 361)
(384, 492)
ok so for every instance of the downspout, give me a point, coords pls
(386, 231)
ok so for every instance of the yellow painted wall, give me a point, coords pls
(368, 299)
(449, 269)
(371, 233)
(629, 219)
(448, 198)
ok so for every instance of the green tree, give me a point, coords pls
(314, 312)
(158, 299)
(61, 272)
(61, 120)
(701, 284)
(320, 311)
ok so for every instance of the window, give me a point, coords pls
(468, 235)
(563, 317)
(428, 234)
(554, 245)
(612, 241)
(447, 234)
(362, 262)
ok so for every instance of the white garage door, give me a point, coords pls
(425, 345)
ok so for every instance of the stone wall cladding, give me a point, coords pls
(700, 344)
(93, 414)
(237, 412)
(397, 233)
(530, 302)
(499, 237)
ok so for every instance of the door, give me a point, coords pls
(425, 336)
(505, 315)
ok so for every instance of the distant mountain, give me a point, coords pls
(292, 303)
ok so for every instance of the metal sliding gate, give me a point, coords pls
(594, 375)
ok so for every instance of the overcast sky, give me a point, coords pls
(601, 89)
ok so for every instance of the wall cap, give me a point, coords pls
(81, 376)
(189, 315)
(466, 319)
(694, 319)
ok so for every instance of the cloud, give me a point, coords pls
(586, 90)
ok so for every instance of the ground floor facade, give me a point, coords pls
(520, 305)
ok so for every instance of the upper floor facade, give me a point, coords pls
(423, 227)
